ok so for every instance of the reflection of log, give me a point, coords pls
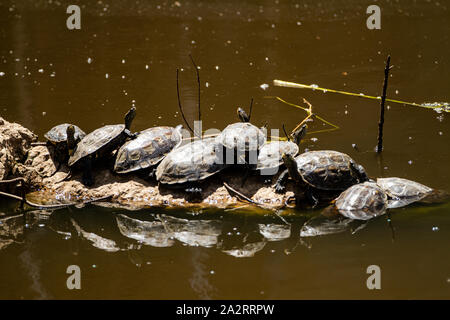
(128, 191)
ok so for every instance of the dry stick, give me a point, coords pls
(242, 197)
(198, 82)
(12, 180)
(383, 99)
(285, 133)
(250, 111)
(181, 108)
(50, 206)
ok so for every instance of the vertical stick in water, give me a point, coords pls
(383, 100)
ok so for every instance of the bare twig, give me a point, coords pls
(383, 100)
(181, 108)
(198, 82)
(250, 111)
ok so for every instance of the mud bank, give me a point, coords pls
(36, 164)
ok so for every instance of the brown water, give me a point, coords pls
(127, 53)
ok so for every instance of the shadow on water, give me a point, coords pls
(207, 254)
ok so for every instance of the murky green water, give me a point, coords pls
(126, 54)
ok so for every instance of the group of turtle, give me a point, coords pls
(159, 154)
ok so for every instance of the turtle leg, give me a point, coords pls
(312, 197)
(87, 178)
(360, 172)
(280, 186)
(57, 169)
(152, 173)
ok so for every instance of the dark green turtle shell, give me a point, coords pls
(58, 133)
(327, 170)
(194, 161)
(242, 136)
(269, 156)
(98, 141)
(148, 149)
(362, 201)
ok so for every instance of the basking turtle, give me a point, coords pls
(321, 170)
(269, 158)
(402, 192)
(187, 165)
(64, 137)
(100, 143)
(148, 149)
(242, 138)
(362, 201)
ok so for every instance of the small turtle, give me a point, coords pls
(243, 138)
(64, 137)
(269, 158)
(402, 192)
(100, 143)
(187, 165)
(362, 201)
(148, 149)
(321, 170)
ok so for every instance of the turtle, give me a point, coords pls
(100, 143)
(64, 138)
(362, 201)
(242, 138)
(326, 170)
(187, 165)
(402, 192)
(148, 149)
(269, 158)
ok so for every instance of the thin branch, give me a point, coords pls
(198, 83)
(181, 108)
(383, 100)
(250, 111)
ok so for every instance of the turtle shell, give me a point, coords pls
(242, 136)
(403, 191)
(96, 140)
(327, 169)
(148, 149)
(58, 133)
(362, 201)
(192, 162)
(269, 156)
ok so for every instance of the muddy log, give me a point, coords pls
(36, 164)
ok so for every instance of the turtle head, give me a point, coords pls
(299, 134)
(71, 142)
(243, 115)
(129, 117)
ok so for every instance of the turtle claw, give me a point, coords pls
(280, 188)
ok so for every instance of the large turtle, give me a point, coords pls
(100, 143)
(402, 192)
(64, 138)
(362, 201)
(187, 165)
(241, 141)
(326, 170)
(148, 149)
(269, 158)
